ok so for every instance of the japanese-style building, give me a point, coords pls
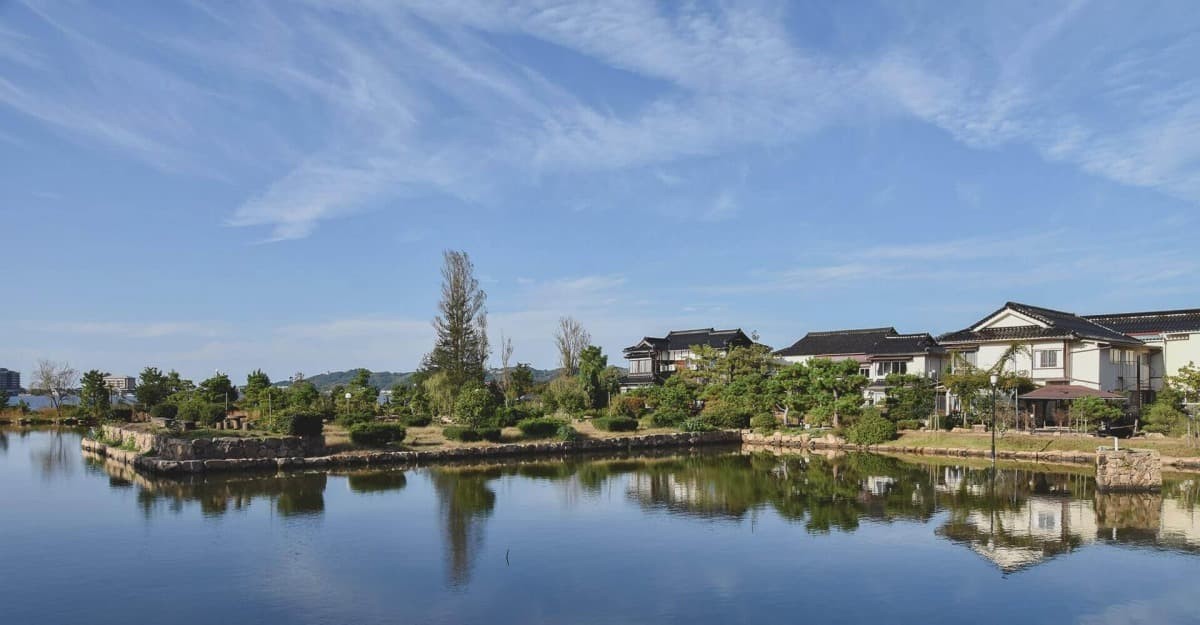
(652, 360)
(880, 352)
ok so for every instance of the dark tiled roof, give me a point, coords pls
(907, 344)
(1151, 322)
(837, 342)
(1062, 325)
(683, 339)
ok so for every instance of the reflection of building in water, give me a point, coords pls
(1015, 538)
(878, 485)
(686, 494)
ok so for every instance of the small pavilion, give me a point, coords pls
(1050, 404)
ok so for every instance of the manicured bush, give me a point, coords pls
(200, 411)
(628, 406)
(475, 407)
(908, 424)
(376, 434)
(121, 413)
(164, 411)
(667, 417)
(417, 421)
(507, 417)
(297, 424)
(348, 420)
(871, 429)
(615, 424)
(567, 434)
(490, 434)
(539, 428)
(725, 414)
(696, 424)
(764, 422)
(460, 433)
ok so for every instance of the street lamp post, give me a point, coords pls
(836, 421)
(348, 405)
(995, 379)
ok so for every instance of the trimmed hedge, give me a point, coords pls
(567, 434)
(298, 424)
(377, 434)
(417, 421)
(667, 418)
(164, 411)
(615, 424)
(765, 422)
(121, 413)
(908, 424)
(490, 434)
(460, 433)
(539, 428)
(871, 429)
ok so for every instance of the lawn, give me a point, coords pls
(428, 438)
(1169, 447)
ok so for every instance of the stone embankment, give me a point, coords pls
(1128, 470)
(168, 447)
(143, 459)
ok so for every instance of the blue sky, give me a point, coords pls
(230, 185)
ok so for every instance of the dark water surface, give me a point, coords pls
(715, 538)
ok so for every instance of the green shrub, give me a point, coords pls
(164, 411)
(696, 424)
(121, 413)
(871, 429)
(376, 434)
(567, 434)
(725, 414)
(475, 407)
(1164, 418)
(764, 422)
(667, 417)
(507, 417)
(348, 420)
(417, 420)
(539, 428)
(460, 433)
(630, 406)
(615, 424)
(490, 434)
(297, 424)
(200, 411)
(908, 424)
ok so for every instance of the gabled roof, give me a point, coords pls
(683, 339)
(1057, 324)
(866, 341)
(1151, 322)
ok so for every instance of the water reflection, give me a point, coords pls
(57, 457)
(1015, 517)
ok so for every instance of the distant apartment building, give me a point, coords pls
(653, 359)
(879, 352)
(10, 381)
(122, 383)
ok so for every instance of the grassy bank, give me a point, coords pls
(1169, 447)
(430, 438)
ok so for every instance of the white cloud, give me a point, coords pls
(129, 330)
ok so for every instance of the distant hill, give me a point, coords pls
(384, 380)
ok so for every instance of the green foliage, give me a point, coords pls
(668, 418)
(164, 411)
(567, 434)
(417, 421)
(217, 390)
(462, 434)
(297, 424)
(521, 380)
(510, 416)
(592, 363)
(439, 393)
(302, 395)
(566, 394)
(461, 347)
(1090, 411)
(908, 424)
(121, 413)
(490, 434)
(871, 429)
(255, 392)
(615, 424)
(627, 405)
(910, 397)
(347, 420)
(696, 424)
(152, 388)
(1165, 418)
(539, 428)
(765, 422)
(1187, 382)
(675, 397)
(475, 406)
(200, 411)
(377, 434)
(727, 413)
(95, 398)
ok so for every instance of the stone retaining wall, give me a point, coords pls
(168, 447)
(158, 464)
(1128, 470)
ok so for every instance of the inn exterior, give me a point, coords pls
(880, 352)
(653, 359)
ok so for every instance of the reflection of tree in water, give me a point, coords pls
(301, 494)
(4, 442)
(465, 502)
(57, 457)
(376, 481)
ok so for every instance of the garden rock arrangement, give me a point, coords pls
(170, 465)
(169, 447)
(1128, 470)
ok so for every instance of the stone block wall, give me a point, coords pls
(1128, 470)
(168, 447)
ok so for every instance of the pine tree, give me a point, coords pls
(461, 349)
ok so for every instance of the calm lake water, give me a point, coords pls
(728, 537)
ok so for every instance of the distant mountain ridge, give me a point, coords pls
(384, 380)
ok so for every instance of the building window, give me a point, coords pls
(1046, 358)
(883, 369)
(865, 371)
(1121, 356)
(639, 366)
